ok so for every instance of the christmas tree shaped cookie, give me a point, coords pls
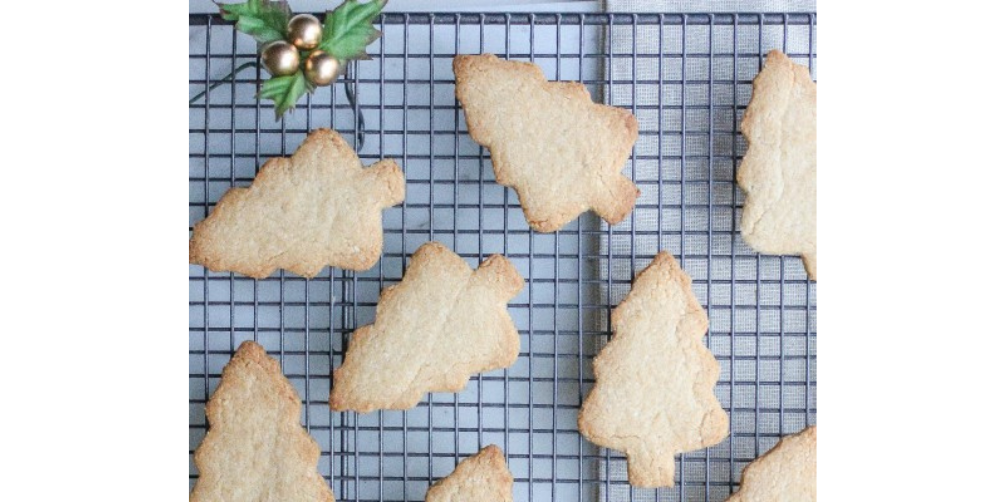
(443, 323)
(319, 207)
(256, 448)
(482, 478)
(560, 151)
(653, 396)
(788, 472)
(779, 171)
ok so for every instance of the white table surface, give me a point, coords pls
(203, 6)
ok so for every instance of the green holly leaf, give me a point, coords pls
(263, 19)
(285, 91)
(349, 29)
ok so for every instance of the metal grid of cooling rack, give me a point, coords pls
(686, 77)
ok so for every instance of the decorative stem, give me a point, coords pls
(350, 94)
(223, 80)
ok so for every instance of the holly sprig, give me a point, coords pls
(262, 19)
(346, 32)
(285, 91)
(349, 29)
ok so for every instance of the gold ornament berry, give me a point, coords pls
(304, 31)
(321, 68)
(280, 58)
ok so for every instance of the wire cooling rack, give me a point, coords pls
(686, 77)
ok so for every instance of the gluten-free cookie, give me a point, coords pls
(653, 396)
(787, 472)
(441, 324)
(560, 151)
(481, 478)
(779, 170)
(319, 207)
(255, 448)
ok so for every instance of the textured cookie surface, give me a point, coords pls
(481, 478)
(788, 472)
(441, 324)
(256, 449)
(319, 207)
(655, 378)
(560, 151)
(779, 171)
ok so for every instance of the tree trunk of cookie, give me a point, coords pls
(648, 470)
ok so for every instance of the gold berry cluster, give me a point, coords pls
(303, 33)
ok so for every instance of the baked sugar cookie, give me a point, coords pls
(653, 396)
(436, 328)
(255, 448)
(560, 151)
(319, 207)
(779, 171)
(787, 472)
(481, 478)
